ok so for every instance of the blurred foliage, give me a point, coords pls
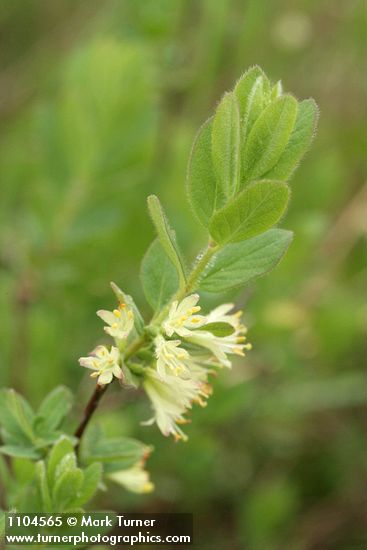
(100, 102)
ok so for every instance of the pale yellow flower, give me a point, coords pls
(171, 399)
(104, 363)
(182, 318)
(120, 321)
(221, 346)
(171, 358)
(135, 479)
(221, 315)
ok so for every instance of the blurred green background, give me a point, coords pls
(99, 104)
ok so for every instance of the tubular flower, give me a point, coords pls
(219, 346)
(104, 363)
(225, 345)
(135, 479)
(120, 321)
(171, 358)
(171, 399)
(182, 318)
(220, 315)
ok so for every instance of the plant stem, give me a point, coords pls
(199, 268)
(134, 347)
(192, 280)
(89, 410)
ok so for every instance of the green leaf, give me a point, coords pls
(246, 87)
(66, 489)
(158, 276)
(16, 417)
(256, 209)
(92, 478)
(67, 479)
(61, 448)
(53, 410)
(237, 264)
(299, 141)
(42, 485)
(122, 449)
(166, 236)
(66, 464)
(255, 106)
(268, 137)
(276, 90)
(219, 328)
(252, 92)
(202, 190)
(47, 440)
(226, 145)
(21, 452)
(127, 299)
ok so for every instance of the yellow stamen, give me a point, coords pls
(206, 390)
(182, 421)
(117, 313)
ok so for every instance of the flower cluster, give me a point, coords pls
(183, 365)
(104, 363)
(180, 354)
